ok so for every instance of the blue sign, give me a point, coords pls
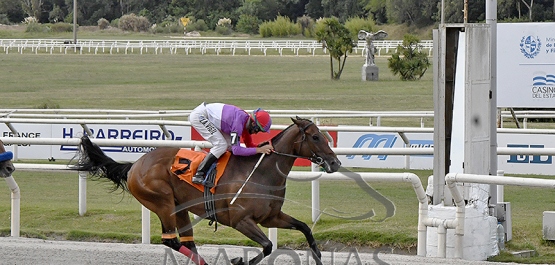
(374, 141)
(525, 159)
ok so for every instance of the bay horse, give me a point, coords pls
(151, 182)
(6, 165)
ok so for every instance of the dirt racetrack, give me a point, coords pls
(37, 251)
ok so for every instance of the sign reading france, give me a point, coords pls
(526, 65)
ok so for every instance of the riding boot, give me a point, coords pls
(203, 169)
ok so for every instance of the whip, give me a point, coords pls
(246, 180)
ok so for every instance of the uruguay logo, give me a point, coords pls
(530, 46)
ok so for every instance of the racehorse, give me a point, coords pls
(6, 165)
(151, 182)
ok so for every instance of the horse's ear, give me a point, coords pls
(296, 120)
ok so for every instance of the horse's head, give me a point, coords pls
(6, 165)
(314, 145)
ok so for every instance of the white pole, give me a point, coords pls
(74, 21)
(272, 234)
(315, 199)
(441, 241)
(146, 225)
(16, 205)
(491, 19)
(82, 193)
(500, 188)
(315, 184)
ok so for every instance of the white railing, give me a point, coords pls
(375, 117)
(186, 144)
(452, 179)
(401, 177)
(187, 46)
(124, 119)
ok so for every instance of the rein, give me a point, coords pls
(314, 158)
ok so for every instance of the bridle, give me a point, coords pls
(314, 158)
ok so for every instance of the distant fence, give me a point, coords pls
(188, 46)
(374, 117)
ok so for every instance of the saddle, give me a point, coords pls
(186, 163)
(185, 166)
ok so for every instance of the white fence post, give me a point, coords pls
(315, 184)
(145, 225)
(82, 193)
(500, 188)
(16, 205)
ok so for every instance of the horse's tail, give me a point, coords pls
(93, 160)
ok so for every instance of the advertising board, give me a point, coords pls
(100, 131)
(526, 65)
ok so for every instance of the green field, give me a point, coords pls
(166, 81)
(169, 82)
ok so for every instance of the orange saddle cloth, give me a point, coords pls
(187, 161)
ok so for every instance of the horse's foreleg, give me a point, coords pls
(250, 229)
(285, 221)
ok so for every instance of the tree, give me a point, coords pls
(56, 15)
(377, 10)
(13, 10)
(454, 11)
(32, 8)
(530, 8)
(337, 40)
(419, 13)
(314, 9)
(409, 61)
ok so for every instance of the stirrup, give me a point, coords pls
(198, 179)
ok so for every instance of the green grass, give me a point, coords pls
(164, 81)
(167, 82)
(49, 205)
(181, 82)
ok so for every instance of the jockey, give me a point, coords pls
(224, 126)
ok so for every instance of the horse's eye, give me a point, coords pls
(315, 137)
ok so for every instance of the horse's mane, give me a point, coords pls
(280, 134)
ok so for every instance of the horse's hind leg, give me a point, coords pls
(185, 230)
(163, 206)
(169, 238)
(285, 221)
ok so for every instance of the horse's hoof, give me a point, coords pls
(237, 261)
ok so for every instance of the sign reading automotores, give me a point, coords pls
(526, 65)
(122, 153)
